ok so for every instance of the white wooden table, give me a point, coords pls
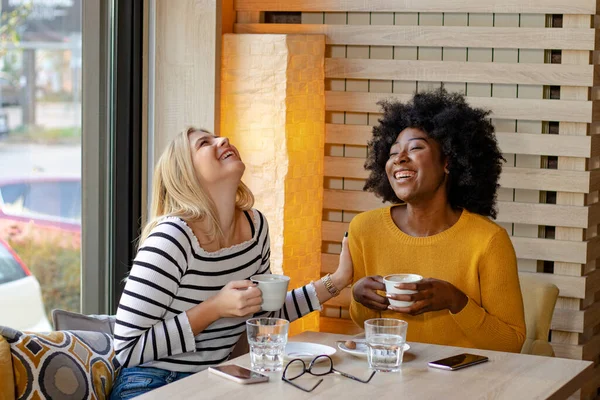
(505, 376)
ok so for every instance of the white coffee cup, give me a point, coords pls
(273, 288)
(390, 287)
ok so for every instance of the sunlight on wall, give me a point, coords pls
(272, 109)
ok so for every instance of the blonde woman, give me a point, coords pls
(188, 296)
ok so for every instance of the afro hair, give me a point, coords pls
(466, 138)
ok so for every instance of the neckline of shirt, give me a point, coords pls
(386, 214)
(225, 250)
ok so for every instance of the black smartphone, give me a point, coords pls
(459, 361)
(238, 374)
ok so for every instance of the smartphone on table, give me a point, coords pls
(238, 374)
(458, 362)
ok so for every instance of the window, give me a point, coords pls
(57, 213)
(40, 158)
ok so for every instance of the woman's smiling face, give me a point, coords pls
(214, 158)
(416, 167)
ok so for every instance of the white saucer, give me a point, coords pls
(306, 351)
(361, 348)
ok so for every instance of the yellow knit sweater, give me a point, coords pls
(475, 255)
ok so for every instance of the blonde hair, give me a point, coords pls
(177, 193)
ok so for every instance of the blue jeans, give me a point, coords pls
(136, 381)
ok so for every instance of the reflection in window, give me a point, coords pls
(59, 200)
(13, 197)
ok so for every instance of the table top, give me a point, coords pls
(505, 376)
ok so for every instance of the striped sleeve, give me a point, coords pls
(142, 333)
(298, 302)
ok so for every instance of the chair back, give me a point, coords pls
(539, 300)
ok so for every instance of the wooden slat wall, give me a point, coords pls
(510, 56)
(423, 6)
(445, 36)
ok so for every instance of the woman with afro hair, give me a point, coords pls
(436, 160)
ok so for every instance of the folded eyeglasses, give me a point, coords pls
(320, 366)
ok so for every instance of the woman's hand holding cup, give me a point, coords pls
(365, 292)
(428, 295)
(238, 299)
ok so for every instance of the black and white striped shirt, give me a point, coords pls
(171, 273)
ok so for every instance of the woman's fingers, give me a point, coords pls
(345, 271)
(252, 292)
(249, 311)
(375, 284)
(365, 292)
(372, 296)
(418, 307)
(345, 250)
(425, 294)
(420, 285)
(253, 301)
(240, 285)
(376, 305)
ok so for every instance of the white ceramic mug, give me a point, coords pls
(392, 280)
(273, 288)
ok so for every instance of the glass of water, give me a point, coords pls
(267, 338)
(385, 339)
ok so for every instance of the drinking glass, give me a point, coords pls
(267, 338)
(385, 339)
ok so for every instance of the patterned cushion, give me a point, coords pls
(62, 364)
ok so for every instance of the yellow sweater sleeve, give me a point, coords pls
(498, 323)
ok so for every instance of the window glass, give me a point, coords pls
(40, 156)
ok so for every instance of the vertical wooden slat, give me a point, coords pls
(427, 53)
(506, 91)
(357, 85)
(480, 55)
(404, 53)
(362, 85)
(250, 17)
(312, 18)
(381, 52)
(334, 51)
(455, 53)
(526, 126)
(571, 163)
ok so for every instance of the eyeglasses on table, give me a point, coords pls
(320, 366)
